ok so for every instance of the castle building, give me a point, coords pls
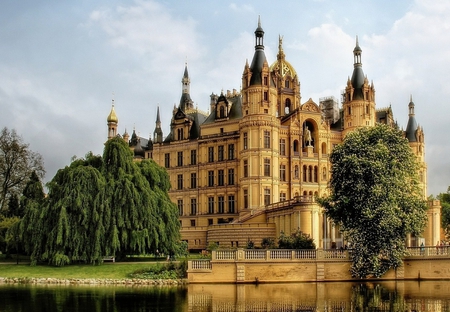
(251, 167)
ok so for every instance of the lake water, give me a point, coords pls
(381, 296)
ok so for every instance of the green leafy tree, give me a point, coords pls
(268, 243)
(297, 240)
(445, 214)
(375, 197)
(8, 237)
(17, 162)
(103, 206)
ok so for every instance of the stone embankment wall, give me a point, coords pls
(93, 281)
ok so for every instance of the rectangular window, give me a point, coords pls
(245, 168)
(192, 222)
(167, 160)
(230, 176)
(220, 153)
(180, 159)
(210, 178)
(231, 203)
(180, 207)
(245, 140)
(210, 221)
(267, 196)
(211, 154)
(282, 172)
(282, 196)
(193, 180)
(265, 96)
(266, 139)
(267, 167)
(245, 198)
(221, 204)
(210, 205)
(193, 206)
(282, 147)
(180, 182)
(265, 80)
(220, 177)
(230, 151)
(193, 157)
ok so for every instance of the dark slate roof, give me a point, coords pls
(339, 124)
(357, 82)
(198, 119)
(235, 110)
(256, 68)
(411, 128)
(185, 101)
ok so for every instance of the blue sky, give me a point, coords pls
(61, 62)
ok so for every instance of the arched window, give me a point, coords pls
(310, 174)
(324, 173)
(305, 173)
(296, 172)
(324, 148)
(287, 106)
(315, 174)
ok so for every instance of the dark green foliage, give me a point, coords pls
(14, 208)
(297, 240)
(445, 213)
(170, 270)
(268, 243)
(375, 197)
(17, 162)
(99, 207)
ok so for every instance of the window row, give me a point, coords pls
(221, 204)
(211, 156)
(213, 180)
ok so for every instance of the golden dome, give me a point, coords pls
(112, 117)
(282, 66)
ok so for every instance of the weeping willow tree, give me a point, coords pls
(103, 206)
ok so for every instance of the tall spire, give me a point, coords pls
(259, 57)
(158, 134)
(185, 101)
(281, 54)
(186, 81)
(259, 36)
(358, 74)
(411, 127)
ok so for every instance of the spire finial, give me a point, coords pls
(259, 20)
(112, 99)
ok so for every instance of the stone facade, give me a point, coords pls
(251, 167)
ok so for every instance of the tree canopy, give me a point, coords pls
(103, 206)
(17, 162)
(375, 197)
(445, 216)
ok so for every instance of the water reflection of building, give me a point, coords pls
(345, 296)
(251, 167)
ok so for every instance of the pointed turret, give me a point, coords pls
(158, 134)
(186, 102)
(112, 122)
(259, 58)
(411, 127)
(358, 77)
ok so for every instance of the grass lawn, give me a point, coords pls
(118, 270)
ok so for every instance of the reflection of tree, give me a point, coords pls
(375, 297)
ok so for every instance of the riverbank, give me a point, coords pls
(92, 281)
